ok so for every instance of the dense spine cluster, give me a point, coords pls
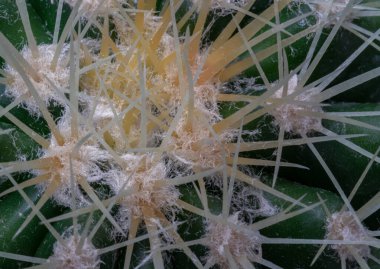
(155, 137)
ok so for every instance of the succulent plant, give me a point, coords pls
(189, 134)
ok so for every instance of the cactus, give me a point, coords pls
(194, 134)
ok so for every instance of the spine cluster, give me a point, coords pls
(141, 145)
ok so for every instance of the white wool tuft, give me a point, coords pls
(251, 202)
(142, 173)
(205, 95)
(322, 7)
(86, 163)
(196, 146)
(71, 257)
(60, 77)
(89, 6)
(241, 242)
(151, 24)
(100, 111)
(343, 226)
(287, 115)
(223, 7)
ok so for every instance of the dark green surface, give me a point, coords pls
(295, 53)
(14, 210)
(16, 145)
(310, 225)
(11, 25)
(48, 12)
(346, 164)
(342, 47)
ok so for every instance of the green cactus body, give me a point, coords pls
(14, 211)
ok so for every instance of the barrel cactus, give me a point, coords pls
(189, 134)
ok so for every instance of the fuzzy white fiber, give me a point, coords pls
(168, 92)
(343, 226)
(85, 164)
(252, 203)
(334, 9)
(151, 24)
(223, 6)
(89, 6)
(41, 64)
(243, 242)
(193, 142)
(141, 173)
(196, 146)
(71, 257)
(287, 115)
